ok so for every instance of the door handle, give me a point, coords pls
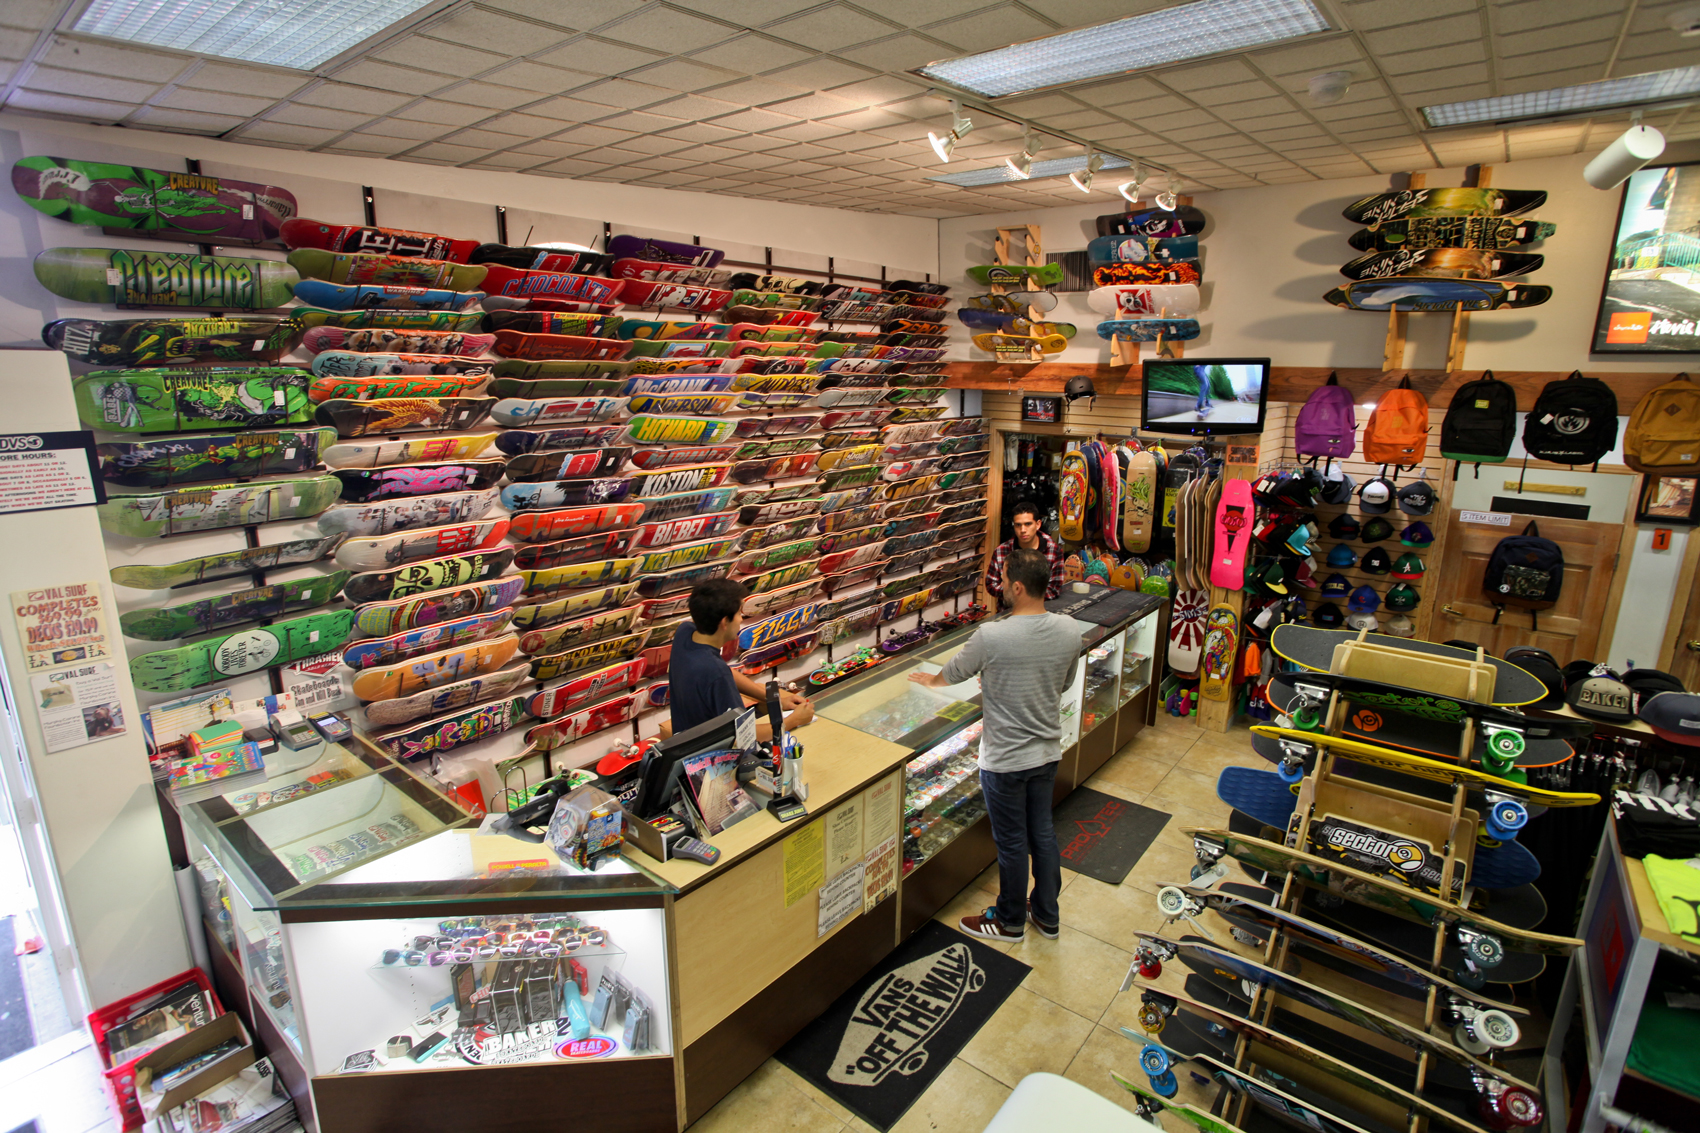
(1694, 645)
(1460, 613)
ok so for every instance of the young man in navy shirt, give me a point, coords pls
(702, 684)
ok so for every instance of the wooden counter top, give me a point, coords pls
(838, 761)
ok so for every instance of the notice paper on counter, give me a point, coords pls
(879, 834)
(844, 837)
(805, 865)
(840, 899)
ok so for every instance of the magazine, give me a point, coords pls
(158, 1021)
(251, 1101)
(713, 779)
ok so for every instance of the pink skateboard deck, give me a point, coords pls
(1235, 514)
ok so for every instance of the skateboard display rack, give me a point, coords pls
(1020, 240)
(1393, 351)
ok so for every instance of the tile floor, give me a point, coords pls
(1064, 1016)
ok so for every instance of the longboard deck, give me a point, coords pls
(184, 399)
(1312, 647)
(133, 278)
(1221, 647)
(1410, 293)
(1379, 208)
(224, 505)
(1441, 263)
(169, 623)
(1488, 233)
(1183, 220)
(190, 207)
(1129, 301)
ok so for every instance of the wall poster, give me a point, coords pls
(1651, 300)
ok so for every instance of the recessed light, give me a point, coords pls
(1054, 167)
(300, 34)
(1606, 94)
(1190, 31)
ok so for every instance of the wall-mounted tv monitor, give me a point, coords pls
(1204, 396)
(1651, 300)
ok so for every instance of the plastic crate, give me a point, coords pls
(121, 1079)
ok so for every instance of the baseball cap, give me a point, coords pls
(1336, 586)
(1341, 556)
(1299, 490)
(1401, 626)
(1364, 600)
(1263, 487)
(1303, 575)
(1674, 716)
(1376, 496)
(1362, 621)
(1401, 597)
(1409, 566)
(1268, 577)
(1344, 526)
(1416, 499)
(1375, 561)
(1648, 683)
(1299, 541)
(1328, 614)
(1376, 530)
(1337, 489)
(1416, 535)
(1602, 696)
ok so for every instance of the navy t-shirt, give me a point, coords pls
(701, 682)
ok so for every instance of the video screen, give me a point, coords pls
(1651, 300)
(1205, 396)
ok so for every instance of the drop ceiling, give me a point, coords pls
(813, 102)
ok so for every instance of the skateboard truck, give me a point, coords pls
(1480, 1030)
(1306, 713)
(1505, 817)
(1203, 878)
(1482, 953)
(1148, 960)
(1175, 904)
(1154, 1060)
(1503, 747)
(1292, 765)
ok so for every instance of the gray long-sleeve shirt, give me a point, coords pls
(1025, 664)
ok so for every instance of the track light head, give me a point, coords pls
(1082, 179)
(960, 127)
(1166, 199)
(1022, 164)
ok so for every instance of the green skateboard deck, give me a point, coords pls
(211, 568)
(1014, 275)
(1150, 1105)
(222, 505)
(177, 206)
(1378, 208)
(168, 623)
(356, 267)
(131, 278)
(216, 456)
(248, 651)
(1489, 233)
(384, 318)
(169, 401)
(142, 342)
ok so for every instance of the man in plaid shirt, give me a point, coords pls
(1025, 520)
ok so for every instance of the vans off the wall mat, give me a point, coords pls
(883, 1042)
(1103, 836)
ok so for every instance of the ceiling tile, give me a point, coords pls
(754, 120)
(706, 132)
(821, 72)
(754, 92)
(437, 112)
(598, 57)
(1544, 81)
(1444, 81)
(297, 115)
(112, 59)
(387, 76)
(831, 28)
(345, 97)
(1038, 105)
(739, 11)
(88, 109)
(684, 75)
(867, 119)
(186, 121)
(986, 30)
(524, 125)
(52, 80)
(236, 80)
(545, 148)
(594, 135)
(537, 78)
(573, 166)
(487, 94)
(1259, 92)
(30, 13)
(580, 14)
(1270, 121)
(623, 93)
(1206, 75)
(490, 31)
(483, 139)
(1366, 15)
(807, 131)
(751, 54)
(401, 128)
(908, 13)
(1147, 107)
(439, 151)
(813, 106)
(647, 142)
(1511, 41)
(282, 133)
(1310, 57)
(899, 53)
(1426, 34)
(668, 30)
(379, 142)
(212, 102)
(428, 54)
(510, 160)
(696, 106)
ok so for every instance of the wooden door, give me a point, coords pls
(1680, 655)
(1569, 631)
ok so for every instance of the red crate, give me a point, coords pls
(121, 1079)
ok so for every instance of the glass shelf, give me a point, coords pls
(941, 795)
(1136, 658)
(1099, 697)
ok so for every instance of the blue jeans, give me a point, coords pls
(1018, 803)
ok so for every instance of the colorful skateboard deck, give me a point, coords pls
(178, 206)
(1130, 301)
(552, 581)
(366, 485)
(565, 552)
(1183, 220)
(403, 271)
(382, 619)
(133, 278)
(551, 526)
(599, 626)
(556, 410)
(168, 623)
(385, 453)
(379, 297)
(211, 568)
(404, 678)
(1149, 330)
(540, 614)
(531, 389)
(223, 505)
(544, 466)
(402, 415)
(1315, 688)
(627, 246)
(587, 721)
(1186, 630)
(1441, 263)
(1072, 496)
(1379, 208)
(566, 493)
(389, 327)
(1489, 233)
(144, 342)
(1020, 343)
(1150, 1105)
(580, 325)
(384, 340)
(1235, 515)
(454, 729)
(217, 456)
(302, 233)
(1413, 294)
(517, 344)
(327, 388)
(374, 652)
(1175, 271)
(353, 364)
(168, 401)
(408, 514)
(1312, 647)
(1140, 491)
(1015, 275)
(517, 442)
(246, 651)
(1141, 249)
(1221, 647)
(447, 698)
(552, 666)
(428, 575)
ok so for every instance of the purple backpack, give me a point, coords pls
(1327, 422)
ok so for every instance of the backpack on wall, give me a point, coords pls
(1663, 438)
(1574, 421)
(1480, 423)
(1327, 422)
(1526, 571)
(1397, 430)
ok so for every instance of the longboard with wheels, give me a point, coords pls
(1128, 301)
(404, 678)
(373, 652)
(133, 278)
(177, 400)
(379, 297)
(1235, 515)
(403, 271)
(1149, 330)
(1411, 293)
(381, 619)
(369, 485)
(1151, 1104)
(1161, 223)
(428, 575)
(1488, 233)
(1312, 647)
(385, 452)
(1441, 263)
(446, 698)
(1379, 208)
(408, 513)
(1072, 492)
(191, 207)
(402, 415)
(151, 342)
(585, 722)
(552, 666)
(168, 623)
(220, 505)
(211, 568)
(454, 729)
(217, 456)
(599, 626)
(246, 651)
(1221, 647)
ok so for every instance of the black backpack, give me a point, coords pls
(1574, 421)
(1480, 423)
(1526, 571)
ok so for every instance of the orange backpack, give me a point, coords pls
(1397, 432)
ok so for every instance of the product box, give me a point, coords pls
(540, 990)
(507, 997)
(222, 1030)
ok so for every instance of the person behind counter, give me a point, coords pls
(703, 684)
(1028, 537)
(1025, 662)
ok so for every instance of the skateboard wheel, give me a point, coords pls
(1150, 967)
(1505, 746)
(1151, 1018)
(1154, 1060)
(1165, 1084)
(1292, 772)
(1484, 951)
(1306, 718)
(1497, 1029)
(1505, 818)
(1511, 1108)
(1470, 979)
(1171, 901)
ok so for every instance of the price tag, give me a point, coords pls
(312, 637)
(745, 729)
(277, 397)
(294, 501)
(247, 212)
(259, 344)
(114, 277)
(289, 454)
(306, 595)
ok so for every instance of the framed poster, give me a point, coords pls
(1668, 499)
(1045, 410)
(1650, 302)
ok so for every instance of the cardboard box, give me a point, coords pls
(201, 1039)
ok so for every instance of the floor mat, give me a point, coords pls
(1103, 836)
(16, 1035)
(881, 1044)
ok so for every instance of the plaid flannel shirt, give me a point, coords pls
(1053, 554)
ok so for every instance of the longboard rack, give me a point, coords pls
(1393, 351)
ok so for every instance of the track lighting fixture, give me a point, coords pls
(1166, 199)
(1022, 164)
(1082, 179)
(1130, 189)
(959, 129)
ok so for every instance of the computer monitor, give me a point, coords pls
(1204, 396)
(663, 767)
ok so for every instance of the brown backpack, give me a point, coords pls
(1397, 430)
(1663, 438)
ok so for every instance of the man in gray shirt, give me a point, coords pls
(1025, 662)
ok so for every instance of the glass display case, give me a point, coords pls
(941, 796)
(1099, 698)
(1137, 652)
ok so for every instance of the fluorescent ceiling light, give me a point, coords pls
(1054, 167)
(1627, 91)
(1207, 27)
(301, 34)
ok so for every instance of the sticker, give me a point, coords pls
(245, 652)
(1492, 519)
(114, 277)
(596, 1046)
(277, 397)
(259, 344)
(247, 212)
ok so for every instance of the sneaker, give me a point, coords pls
(987, 926)
(1049, 932)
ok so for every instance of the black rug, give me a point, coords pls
(881, 1044)
(1103, 836)
(16, 1033)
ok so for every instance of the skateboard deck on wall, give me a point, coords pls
(1141, 249)
(133, 278)
(1138, 524)
(452, 730)
(1149, 330)
(376, 296)
(1413, 294)
(374, 652)
(572, 324)
(571, 464)
(1235, 514)
(246, 651)
(221, 505)
(330, 388)
(1312, 647)
(1176, 271)
(384, 453)
(556, 410)
(408, 514)
(687, 554)
(142, 342)
(1183, 220)
(565, 552)
(1441, 263)
(554, 581)
(1490, 233)
(447, 698)
(688, 478)
(404, 678)
(366, 485)
(402, 414)
(1132, 300)
(168, 623)
(381, 619)
(532, 389)
(515, 344)
(383, 340)
(566, 493)
(1221, 647)
(1186, 633)
(585, 722)
(359, 268)
(1379, 208)
(598, 626)
(354, 364)
(190, 207)
(302, 233)
(538, 615)
(376, 322)
(1014, 275)
(211, 568)
(210, 397)
(551, 526)
(626, 246)
(428, 575)
(517, 442)
(216, 456)
(1071, 494)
